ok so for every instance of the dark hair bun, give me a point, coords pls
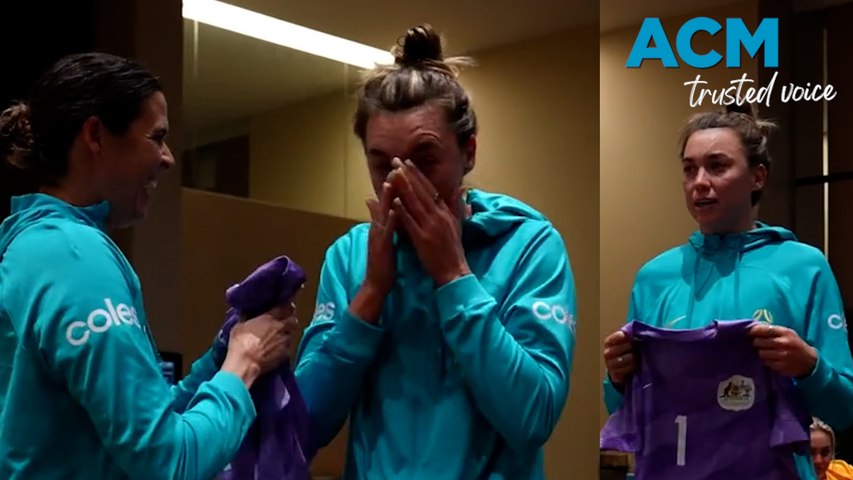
(16, 136)
(744, 108)
(751, 111)
(421, 44)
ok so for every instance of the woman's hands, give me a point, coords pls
(783, 351)
(619, 358)
(260, 344)
(432, 227)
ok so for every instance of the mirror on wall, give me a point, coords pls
(266, 120)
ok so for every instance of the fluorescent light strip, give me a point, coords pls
(286, 34)
(825, 170)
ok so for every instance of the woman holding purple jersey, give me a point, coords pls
(736, 267)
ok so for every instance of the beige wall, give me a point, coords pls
(642, 110)
(147, 31)
(538, 107)
(225, 239)
(304, 156)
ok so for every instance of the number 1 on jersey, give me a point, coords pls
(681, 448)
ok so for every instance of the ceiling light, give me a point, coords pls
(286, 34)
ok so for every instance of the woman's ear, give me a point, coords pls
(759, 177)
(92, 134)
(470, 154)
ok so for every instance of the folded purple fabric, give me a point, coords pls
(278, 445)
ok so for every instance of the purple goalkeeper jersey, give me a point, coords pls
(702, 406)
(278, 445)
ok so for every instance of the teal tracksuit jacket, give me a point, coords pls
(81, 392)
(764, 274)
(463, 381)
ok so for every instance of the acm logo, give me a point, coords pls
(737, 34)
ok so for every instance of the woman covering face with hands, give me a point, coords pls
(409, 205)
(444, 328)
(431, 224)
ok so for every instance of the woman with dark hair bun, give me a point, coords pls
(81, 391)
(444, 328)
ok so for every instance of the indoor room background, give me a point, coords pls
(271, 166)
(268, 164)
(810, 189)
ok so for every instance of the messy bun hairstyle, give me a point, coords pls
(743, 119)
(420, 75)
(16, 154)
(16, 137)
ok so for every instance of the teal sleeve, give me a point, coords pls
(516, 357)
(335, 351)
(201, 371)
(81, 312)
(613, 398)
(829, 388)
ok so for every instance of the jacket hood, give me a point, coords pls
(494, 214)
(30, 209)
(741, 242)
(722, 254)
